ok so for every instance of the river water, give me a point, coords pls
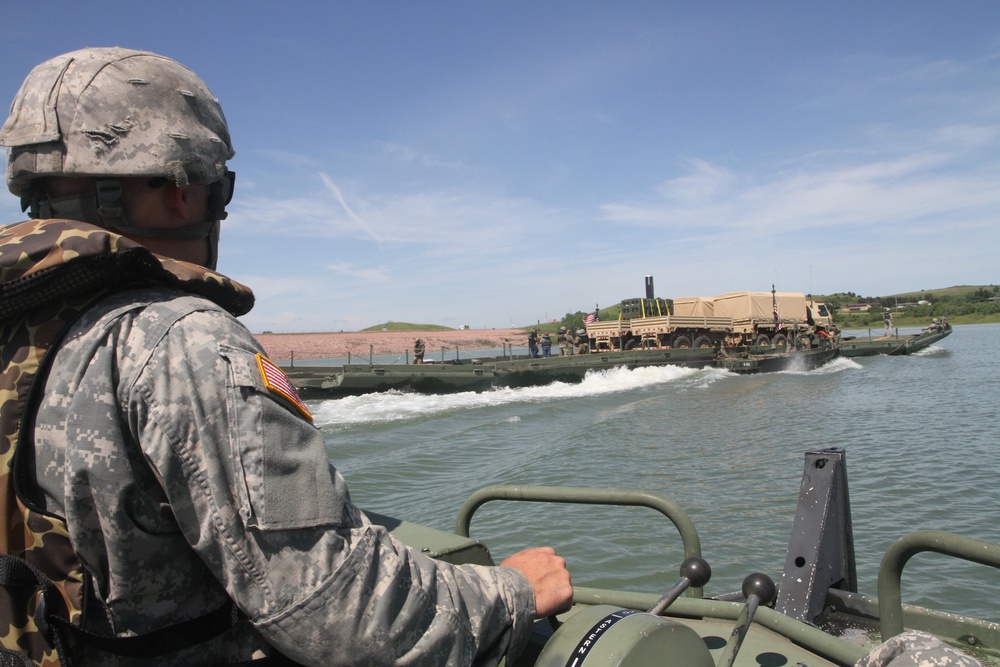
(920, 434)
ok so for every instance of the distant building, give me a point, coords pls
(860, 307)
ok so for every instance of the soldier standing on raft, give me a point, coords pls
(563, 341)
(418, 351)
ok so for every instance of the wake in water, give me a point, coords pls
(397, 406)
(932, 351)
(835, 365)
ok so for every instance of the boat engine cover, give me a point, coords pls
(607, 636)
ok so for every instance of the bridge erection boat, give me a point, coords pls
(811, 613)
(851, 346)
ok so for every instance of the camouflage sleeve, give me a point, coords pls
(916, 649)
(249, 482)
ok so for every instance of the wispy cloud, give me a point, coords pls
(332, 187)
(916, 189)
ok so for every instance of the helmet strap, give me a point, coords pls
(103, 207)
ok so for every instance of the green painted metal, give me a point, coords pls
(890, 571)
(586, 496)
(610, 628)
(893, 345)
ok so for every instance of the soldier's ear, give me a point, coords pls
(184, 201)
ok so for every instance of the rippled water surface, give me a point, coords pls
(920, 435)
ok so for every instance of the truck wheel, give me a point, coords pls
(703, 341)
(682, 341)
(763, 340)
(780, 341)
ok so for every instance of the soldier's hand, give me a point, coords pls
(546, 572)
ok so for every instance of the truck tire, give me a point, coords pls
(703, 341)
(780, 341)
(682, 341)
(763, 340)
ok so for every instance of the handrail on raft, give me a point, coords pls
(582, 495)
(890, 571)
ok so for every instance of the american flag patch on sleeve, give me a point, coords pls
(277, 382)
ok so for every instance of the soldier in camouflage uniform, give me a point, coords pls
(562, 339)
(887, 321)
(187, 471)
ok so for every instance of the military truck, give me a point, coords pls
(770, 318)
(727, 320)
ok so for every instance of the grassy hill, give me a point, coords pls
(407, 326)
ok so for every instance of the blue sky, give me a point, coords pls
(498, 163)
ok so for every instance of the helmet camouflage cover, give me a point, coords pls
(113, 112)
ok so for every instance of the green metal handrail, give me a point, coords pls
(890, 571)
(586, 496)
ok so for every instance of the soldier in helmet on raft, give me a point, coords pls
(171, 484)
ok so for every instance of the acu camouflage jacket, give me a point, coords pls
(186, 481)
(50, 272)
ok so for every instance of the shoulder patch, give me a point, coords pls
(277, 382)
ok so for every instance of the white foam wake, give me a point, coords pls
(395, 405)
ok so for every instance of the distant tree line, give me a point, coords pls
(973, 305)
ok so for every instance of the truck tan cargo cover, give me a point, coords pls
(758, 306)
(699, 306)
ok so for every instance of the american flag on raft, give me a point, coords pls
(777, 319)
(590, 318)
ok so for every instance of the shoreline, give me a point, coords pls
(281, 347)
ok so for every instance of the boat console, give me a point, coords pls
(814, 617)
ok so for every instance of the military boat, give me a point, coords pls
(852, 346)
(811, 613)
(747, 361)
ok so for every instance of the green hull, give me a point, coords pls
(480, 374)
(572, 368)
(892, 345)
(814, 616)
(799, 360)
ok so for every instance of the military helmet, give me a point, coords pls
(115, 112)
(110, 113)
